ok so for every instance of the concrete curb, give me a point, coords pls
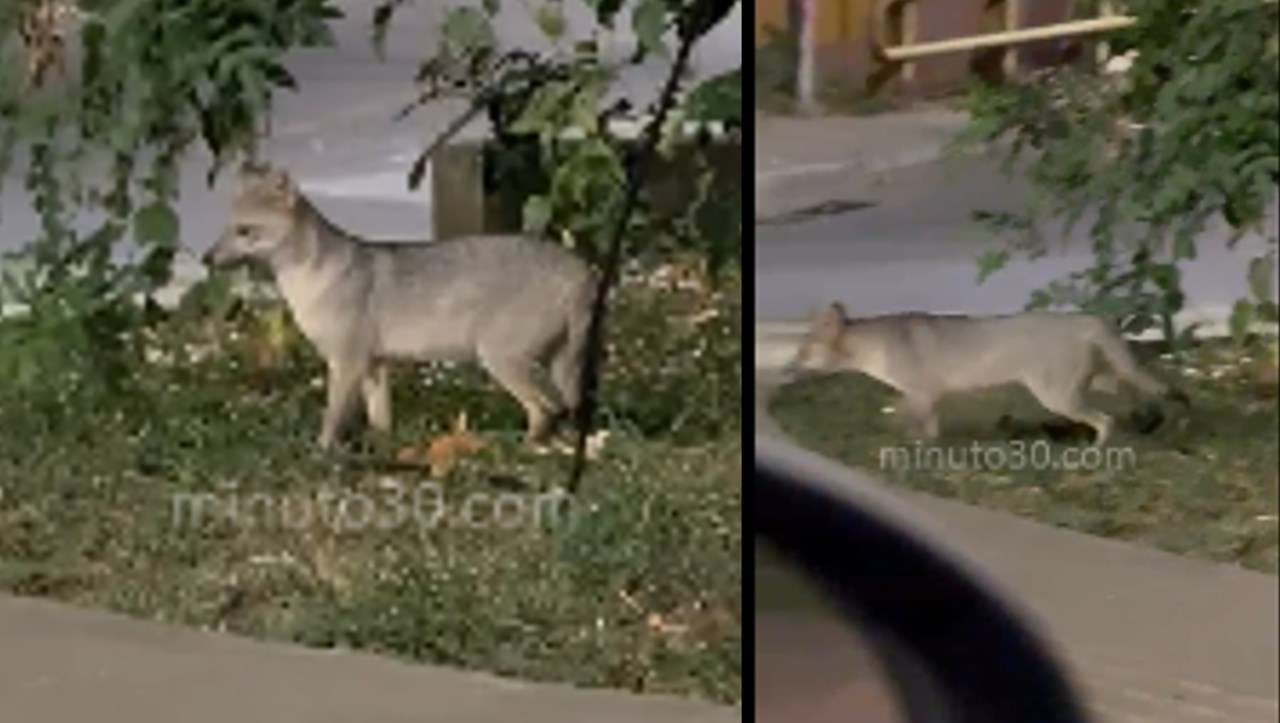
(59, 663)
(777, 178)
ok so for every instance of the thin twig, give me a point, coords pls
(612, 261)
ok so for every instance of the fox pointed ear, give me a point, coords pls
(831, 314)
(830, 321)
(280, 185)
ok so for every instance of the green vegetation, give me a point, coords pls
(635, 583)
(1184, 141)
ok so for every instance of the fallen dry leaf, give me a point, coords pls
(658, 625)
(442, 454)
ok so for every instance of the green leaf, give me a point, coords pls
(1261, 271)
(1184, 244)
(606, 11)
(717, 100)
(1040, 299)
(550, 18)
(156, 224)
(1165, 277)
(648, 21)
(540, 113)
(123, 14)
(718, 221)
(279, 76)
(990, 262)
(536, 214)
(157, 266)
(1242, 316)
(584, 111)
(467, 29)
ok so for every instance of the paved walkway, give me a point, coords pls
(63, 665)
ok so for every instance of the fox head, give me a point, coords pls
(820, 351)
(262, 217)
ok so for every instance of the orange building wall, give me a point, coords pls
(838, 20)
(844, 45)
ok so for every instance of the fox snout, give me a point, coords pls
(218, 254)
(790, 372)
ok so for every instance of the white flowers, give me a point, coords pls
(1120, 64)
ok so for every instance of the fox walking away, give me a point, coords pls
(518, 306)
(924, 356)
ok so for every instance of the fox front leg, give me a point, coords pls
(345, 377)
(377, 397)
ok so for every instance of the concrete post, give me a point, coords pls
(806, 68)
(458, 202)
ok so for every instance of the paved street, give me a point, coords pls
(338, 135)
(915, 250)
(62, 665)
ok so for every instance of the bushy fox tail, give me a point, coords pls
(1114, 349)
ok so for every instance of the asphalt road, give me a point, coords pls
(337, 133)
(915, 249)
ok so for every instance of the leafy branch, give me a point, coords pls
(613, 259)
(555, 146)
(1185, 138)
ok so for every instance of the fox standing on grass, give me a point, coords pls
(924, 356)
(518, 306)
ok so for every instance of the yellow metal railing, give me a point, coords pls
(887, 16)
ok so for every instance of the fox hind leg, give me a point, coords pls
(1068, 401)
(519, 376)
(921, 408)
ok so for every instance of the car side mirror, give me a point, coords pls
(935, 635)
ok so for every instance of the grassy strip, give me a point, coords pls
(198, 498)
(1202, 485)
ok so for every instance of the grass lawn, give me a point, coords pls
(1203, 484)
(197, 497)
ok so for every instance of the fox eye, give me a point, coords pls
(244, 231)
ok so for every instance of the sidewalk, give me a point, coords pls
(63, 665)
(804, 161)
